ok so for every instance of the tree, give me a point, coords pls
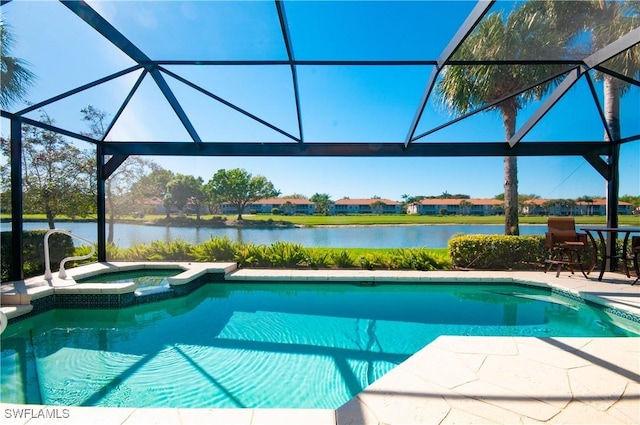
(153, 186)
(633, 200)
(465, 206)
(613, 19)
(521, 34)
(239, 188)
(288, 208)
(547, 206)
(15, 77)
(570, 204)
(184, 190)
(118, 186)
(58, 178)
(377, 207)
(589, 201)
(322, 201)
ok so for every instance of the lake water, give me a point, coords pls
(429, 236)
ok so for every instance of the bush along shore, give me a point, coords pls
(465, 252)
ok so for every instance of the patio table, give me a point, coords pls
(602, 247)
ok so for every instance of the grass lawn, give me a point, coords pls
(356, 252)
(426, 219)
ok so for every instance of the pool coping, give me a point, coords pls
(474, 380)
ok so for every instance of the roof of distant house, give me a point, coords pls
(457, 201)
(365, 201)
(595, 201)
(280, 201)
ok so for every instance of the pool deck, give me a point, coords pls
(467, 380)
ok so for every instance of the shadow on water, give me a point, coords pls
(210, 378)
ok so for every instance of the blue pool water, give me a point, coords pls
(266, 345)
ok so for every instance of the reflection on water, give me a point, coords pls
(429, 236)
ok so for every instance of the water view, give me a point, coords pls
(414, 236)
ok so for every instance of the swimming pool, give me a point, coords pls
(266, 345)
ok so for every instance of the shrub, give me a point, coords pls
(60, 246)
(317, 258)
(177, 250)
(285, 254)
(497, 251)
(371, 261)
(80, 252)
(249, 255)
(342, 259)
(416, 259)
(215, 249)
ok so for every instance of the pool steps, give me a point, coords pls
(17, 298)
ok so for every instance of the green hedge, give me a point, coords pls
(60, 246)
(497, 252)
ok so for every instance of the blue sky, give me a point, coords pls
(338, 103)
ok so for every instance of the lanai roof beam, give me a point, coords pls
(478, 12)
(396, 149)
(228, 104)
(597, 58)
(93, 18)
(294, 74)
(78, 90)
(489, 105)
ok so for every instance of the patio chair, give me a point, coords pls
(565, 244)
(633, 257)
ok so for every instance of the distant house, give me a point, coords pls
(599, 207)
(560, 207)
(365, 206)
(461, 206)
(430, 206)
(287, 206)
(153, 206)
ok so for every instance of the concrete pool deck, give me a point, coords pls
(500, 380)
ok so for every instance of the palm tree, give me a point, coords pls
(613, 20)
(15, 77)
(523, 34)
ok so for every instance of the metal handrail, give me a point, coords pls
(62, 274)
(3, 321)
